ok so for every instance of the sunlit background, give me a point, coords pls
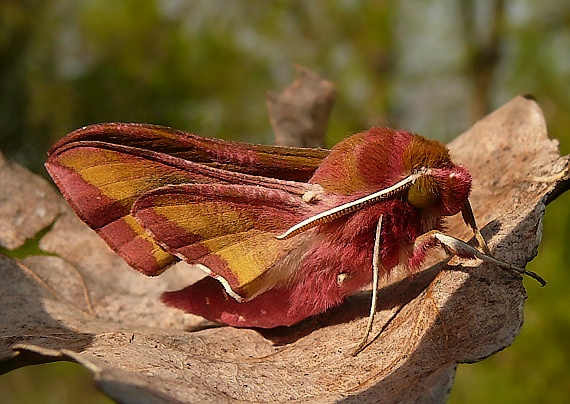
(433, 67)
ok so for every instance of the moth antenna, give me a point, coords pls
(460, 248)
(344, 209)
(375, 280)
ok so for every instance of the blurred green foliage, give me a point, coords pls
(53, 383)
(205, 66)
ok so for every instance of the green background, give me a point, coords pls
(433, 67)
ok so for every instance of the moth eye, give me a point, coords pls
(342, 278)
(423, 194)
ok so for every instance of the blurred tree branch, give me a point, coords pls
(483, 53)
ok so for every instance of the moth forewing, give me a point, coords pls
(284, 268)
(225, 284)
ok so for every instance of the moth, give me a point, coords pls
(283, 233)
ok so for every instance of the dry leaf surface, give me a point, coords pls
(86, 305)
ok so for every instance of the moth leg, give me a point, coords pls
(463, 250)
(469, 219)
(375, 280)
